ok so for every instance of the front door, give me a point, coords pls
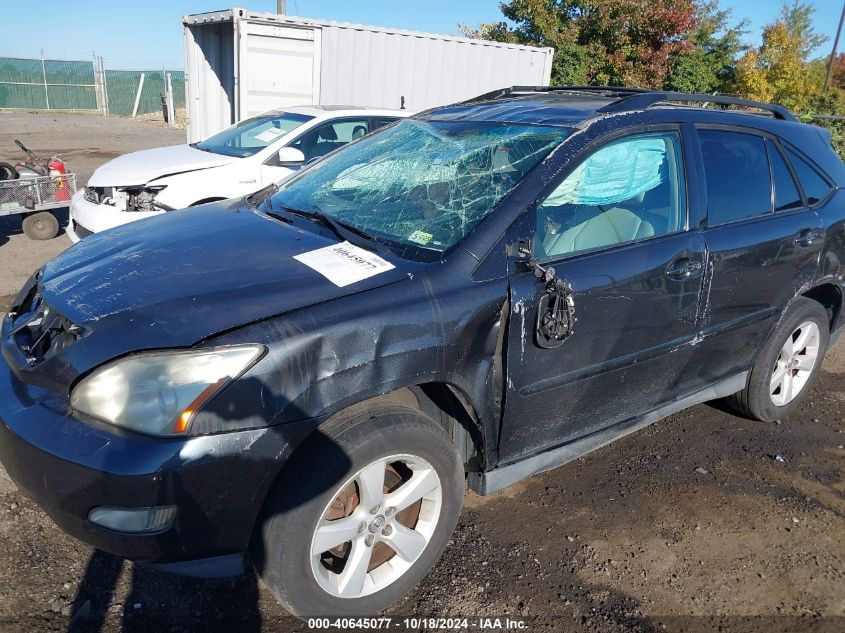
(615, 231)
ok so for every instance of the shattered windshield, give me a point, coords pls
(424, 184)
(250, 136)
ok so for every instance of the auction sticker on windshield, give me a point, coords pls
(344, 263)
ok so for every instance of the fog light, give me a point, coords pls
(136, 520)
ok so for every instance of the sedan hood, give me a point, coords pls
(178, 278)
(139, 168)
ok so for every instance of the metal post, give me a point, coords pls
(138, 95)
(168, 92)
(44, 75)
(98, 95)
(833, 52)
(280, 7)
(105, 87)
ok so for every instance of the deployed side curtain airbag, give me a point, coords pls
(615, 173)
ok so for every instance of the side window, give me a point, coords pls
(328, 137)
(377, 123)
(736, 169)
(786, 193)
(627, 190)
(815, 187)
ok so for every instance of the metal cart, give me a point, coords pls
(35, 197)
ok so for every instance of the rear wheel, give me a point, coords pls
(787, 365)
(41, 226)
(364, 516)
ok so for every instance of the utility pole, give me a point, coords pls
(833, 52)
(280, 7)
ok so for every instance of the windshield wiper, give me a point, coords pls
(344, 231)
(254, 200)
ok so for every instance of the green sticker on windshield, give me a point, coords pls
(420, 237)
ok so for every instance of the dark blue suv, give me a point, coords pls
(484, 291)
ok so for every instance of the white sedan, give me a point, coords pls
(235, 162)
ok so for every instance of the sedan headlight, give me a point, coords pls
(158, 392)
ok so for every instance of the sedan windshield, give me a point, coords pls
(250, 136)
(423, 184)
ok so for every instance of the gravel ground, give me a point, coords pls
(689, 525)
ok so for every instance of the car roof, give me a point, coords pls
(572, 105)
(332, 111)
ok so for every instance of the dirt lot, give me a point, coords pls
(689, 525)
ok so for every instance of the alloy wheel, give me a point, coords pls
(795, 363)
(376, 526)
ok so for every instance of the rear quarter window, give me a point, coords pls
(815, 187)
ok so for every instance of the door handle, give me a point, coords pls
(805, 237)
(684, 268)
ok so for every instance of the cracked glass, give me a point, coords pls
(421, 184)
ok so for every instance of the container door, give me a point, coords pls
(279, 67)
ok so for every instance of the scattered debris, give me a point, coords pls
(702, 471)
(778, 457)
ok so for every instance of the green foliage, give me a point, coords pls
(628, 42)
(832, 103)
(710, 65)
(780, 70)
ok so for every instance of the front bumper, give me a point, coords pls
(68, 466)
(94, 218)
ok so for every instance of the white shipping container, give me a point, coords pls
(239, 63)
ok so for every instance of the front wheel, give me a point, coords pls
(362, 517)
(787, 364)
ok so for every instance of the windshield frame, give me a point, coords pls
(257, 120)
(274, 203)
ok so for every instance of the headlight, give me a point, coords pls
(158, 392)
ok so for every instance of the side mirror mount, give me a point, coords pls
(291, 157)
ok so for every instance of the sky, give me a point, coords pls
(147, 34)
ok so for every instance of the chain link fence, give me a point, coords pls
(50, 84)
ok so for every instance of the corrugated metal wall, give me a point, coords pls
(376, 68)
(210, 68)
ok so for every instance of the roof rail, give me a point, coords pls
(632, 99)
(646, 99)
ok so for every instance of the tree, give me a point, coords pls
(798, 18)
(627, 42)
(779, 70)
(710, 66)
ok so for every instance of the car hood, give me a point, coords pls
(176, 279)
(139, 168)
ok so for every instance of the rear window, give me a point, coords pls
(736, 168)
(815, 187)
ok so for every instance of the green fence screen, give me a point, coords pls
(50, 84)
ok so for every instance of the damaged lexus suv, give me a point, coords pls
(309, 376)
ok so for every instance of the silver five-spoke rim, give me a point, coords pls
(376, 526)
(795, 363)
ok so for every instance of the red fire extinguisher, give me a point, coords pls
(58, 174)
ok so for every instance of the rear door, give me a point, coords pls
(763, 240)
(616, 230)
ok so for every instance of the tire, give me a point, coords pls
(41, 226)
(777, 382)
(8, 172)
(315, 490)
